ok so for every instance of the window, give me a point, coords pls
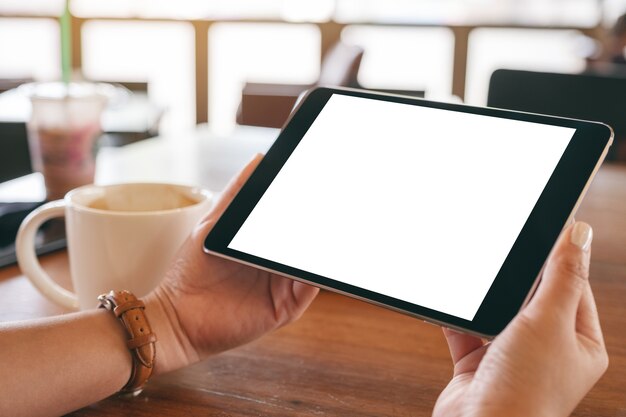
(404, 58)
(255, 52)
(612, 10)
(32, 7)
(528, 49)
(30, 49)
(532, 12)
(160, 53)
(291, 10)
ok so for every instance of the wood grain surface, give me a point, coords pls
(349, 358)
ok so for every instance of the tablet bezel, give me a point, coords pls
(520, 271)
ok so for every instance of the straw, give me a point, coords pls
(66, 44)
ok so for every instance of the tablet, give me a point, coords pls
(445, 212)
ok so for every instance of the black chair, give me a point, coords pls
(580, 96)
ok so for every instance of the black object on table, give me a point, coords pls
(14, 163)
(50, 237)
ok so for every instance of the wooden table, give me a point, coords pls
(344, 357)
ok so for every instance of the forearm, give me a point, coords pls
(55, 365)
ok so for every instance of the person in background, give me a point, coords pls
(608, 55)
(542, 364)
(617, 42)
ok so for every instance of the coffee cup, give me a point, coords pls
(121, 236)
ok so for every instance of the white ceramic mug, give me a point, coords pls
(121, 236)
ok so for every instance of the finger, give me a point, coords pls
(235, 184)
(231, 190)
(587, 320)
(461, 344)
(304, 294)
(467, 351)
(290, 298)
(566, 274)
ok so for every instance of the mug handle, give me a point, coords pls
(27, 258)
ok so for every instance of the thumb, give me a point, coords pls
(229, 193)
(566, 274)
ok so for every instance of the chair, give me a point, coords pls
(269, 105)
(7, 84)
(135, 118)
(579, 96)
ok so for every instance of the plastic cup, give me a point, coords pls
(62, 132)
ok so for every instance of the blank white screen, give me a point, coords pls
(415, 203)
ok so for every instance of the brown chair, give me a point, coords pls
(269, 105)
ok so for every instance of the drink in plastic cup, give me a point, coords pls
(62, 133)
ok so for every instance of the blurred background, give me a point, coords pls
(193, 58)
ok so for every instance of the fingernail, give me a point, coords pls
(581, 235)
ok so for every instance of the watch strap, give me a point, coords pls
(141, 340)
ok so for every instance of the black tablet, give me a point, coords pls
(442, 211)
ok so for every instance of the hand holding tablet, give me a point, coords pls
(445, 212)
(555, 341)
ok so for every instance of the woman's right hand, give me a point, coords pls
(547, 358)
(207, 304)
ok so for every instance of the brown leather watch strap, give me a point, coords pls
(141, 343)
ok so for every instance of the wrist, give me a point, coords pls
(174, 350)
